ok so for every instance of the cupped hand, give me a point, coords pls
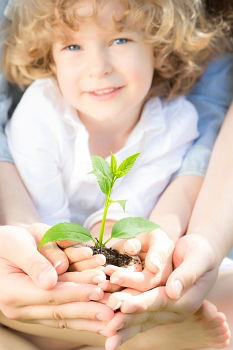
(156, 256)
(23, 274)
(195, 261)
(196, 275)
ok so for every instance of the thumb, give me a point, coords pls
(159, 255)
(130, 246)
(191, 259)
(21, 250)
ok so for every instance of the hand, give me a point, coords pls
(85, 261)
(195, 262)
(23, 274)
(197, 273)
(156, 255)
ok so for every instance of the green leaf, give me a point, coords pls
(121, 202)
(113, 164)
(130, 227)
(126, 165)
(102, 171)
(65, 231)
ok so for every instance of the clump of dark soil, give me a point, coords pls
(113, 257)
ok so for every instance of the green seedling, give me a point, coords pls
(106, 174)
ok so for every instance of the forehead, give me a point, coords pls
(104, 15)
(101, 10)
(111, 14)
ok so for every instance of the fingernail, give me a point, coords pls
(100, 317)
(157, 263)
(87, 253)
(177, 288)
(102, 332)
(115, 306)
(57, 264)
(134, 246)
(100, 259)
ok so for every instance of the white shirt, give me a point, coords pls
(50, 147)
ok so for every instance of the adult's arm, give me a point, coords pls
(212, 214)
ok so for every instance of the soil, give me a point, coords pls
(113, 257)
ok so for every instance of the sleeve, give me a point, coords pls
(33, 140)
(211, 96)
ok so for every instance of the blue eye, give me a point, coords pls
(121, 41)
(73, 47)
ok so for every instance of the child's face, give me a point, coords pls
(103, 73)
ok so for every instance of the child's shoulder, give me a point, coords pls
(178, 107)
(171, 111)
(42, 91)
(41, 100)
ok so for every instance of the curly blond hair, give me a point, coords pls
(181, 37)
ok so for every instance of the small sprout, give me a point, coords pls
(106, 175)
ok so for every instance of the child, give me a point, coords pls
(84, 106)
(99, 78)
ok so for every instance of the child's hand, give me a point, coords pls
(82, 258)
(156, 255)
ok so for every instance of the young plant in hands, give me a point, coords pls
(106, 174)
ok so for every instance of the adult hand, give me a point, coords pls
(196, 273)
(29, 289)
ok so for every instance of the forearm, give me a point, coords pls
(212, 214)
(173, 210)
(15, 203)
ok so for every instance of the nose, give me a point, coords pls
(99, 62)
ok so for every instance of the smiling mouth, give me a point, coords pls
(104, 92)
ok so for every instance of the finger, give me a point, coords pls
(88, 276)
(159, 256)
(158, 300)
(29, 294)
(116, 300)
(189, 266)
(66, 244)
(76, 253)
(50, 251)
(79, 325)
(152, 300)
(69, 311)
(91, 263)
(130, 246)
(29, 260)
(107, 286)
(141, 281)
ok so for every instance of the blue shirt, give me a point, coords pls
(211, 96)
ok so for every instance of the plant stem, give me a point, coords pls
(101, 234)
(106, 206)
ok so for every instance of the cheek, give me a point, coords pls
(141, 69)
